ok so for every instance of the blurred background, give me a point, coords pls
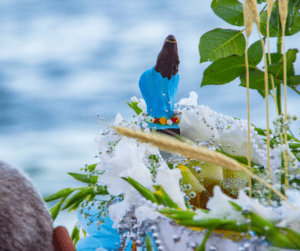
(62, 62)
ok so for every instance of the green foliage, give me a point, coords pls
(134, 106)
(62, 193)
(224, 70)
(278, 237)
(241, 159)
(221, 43)
(276, 68)
(231, 11)
(203, 244)
(163, 198)
(55, 209)
(75, 236)
(255, 53)
(225, 48)
(292, 25)
(141, 189)
(148, 243)
(84, 178)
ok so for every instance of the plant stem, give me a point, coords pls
(279, 45)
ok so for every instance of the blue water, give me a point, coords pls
(63, 61)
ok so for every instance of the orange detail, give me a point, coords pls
(133, 248)
(163, 120)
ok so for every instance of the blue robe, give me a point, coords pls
(153, 86)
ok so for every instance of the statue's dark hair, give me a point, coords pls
(168, 60)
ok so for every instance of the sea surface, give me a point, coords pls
(62, 62)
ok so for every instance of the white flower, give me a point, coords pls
(128, 162)
(291, 217)
(235, 142)
(118, 120)
(169, 122)
(116, 211)
(134, 99)
(220, 207)
(193, 126)
(142, 105)
(169, 180)
(144, 212)
(192, 100)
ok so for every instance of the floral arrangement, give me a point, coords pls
(223, 184)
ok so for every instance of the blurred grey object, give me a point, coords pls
(25, 223)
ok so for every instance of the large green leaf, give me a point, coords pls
(257, 80)
(231, 11)
(224, 70)
(255, 53)
(277, 68)
(221, 43)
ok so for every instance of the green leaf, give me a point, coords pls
(255, 53)
(64, 192)
(148, 243)
(141, 189)
(273, 23)
(235, 206)
(293, 236)
(214, 223)
(84, 178)
(153, 157)
(293, 80)
(163, 197)
(75, 235)
(241, 159)
(221, 43)
(75, 206)
(273, 235)
(257, 80)
(231, 11)
(92, 167)
(294, 146)
(178, 214)
(295, 25)
(55, 209)
(224, 70)
(203, 243)
(134, 106)
(292, 24)
(78, 196)
(277, 68)
(275, 58)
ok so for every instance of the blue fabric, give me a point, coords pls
(105, 237)
(91, 243)
(153, 86)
